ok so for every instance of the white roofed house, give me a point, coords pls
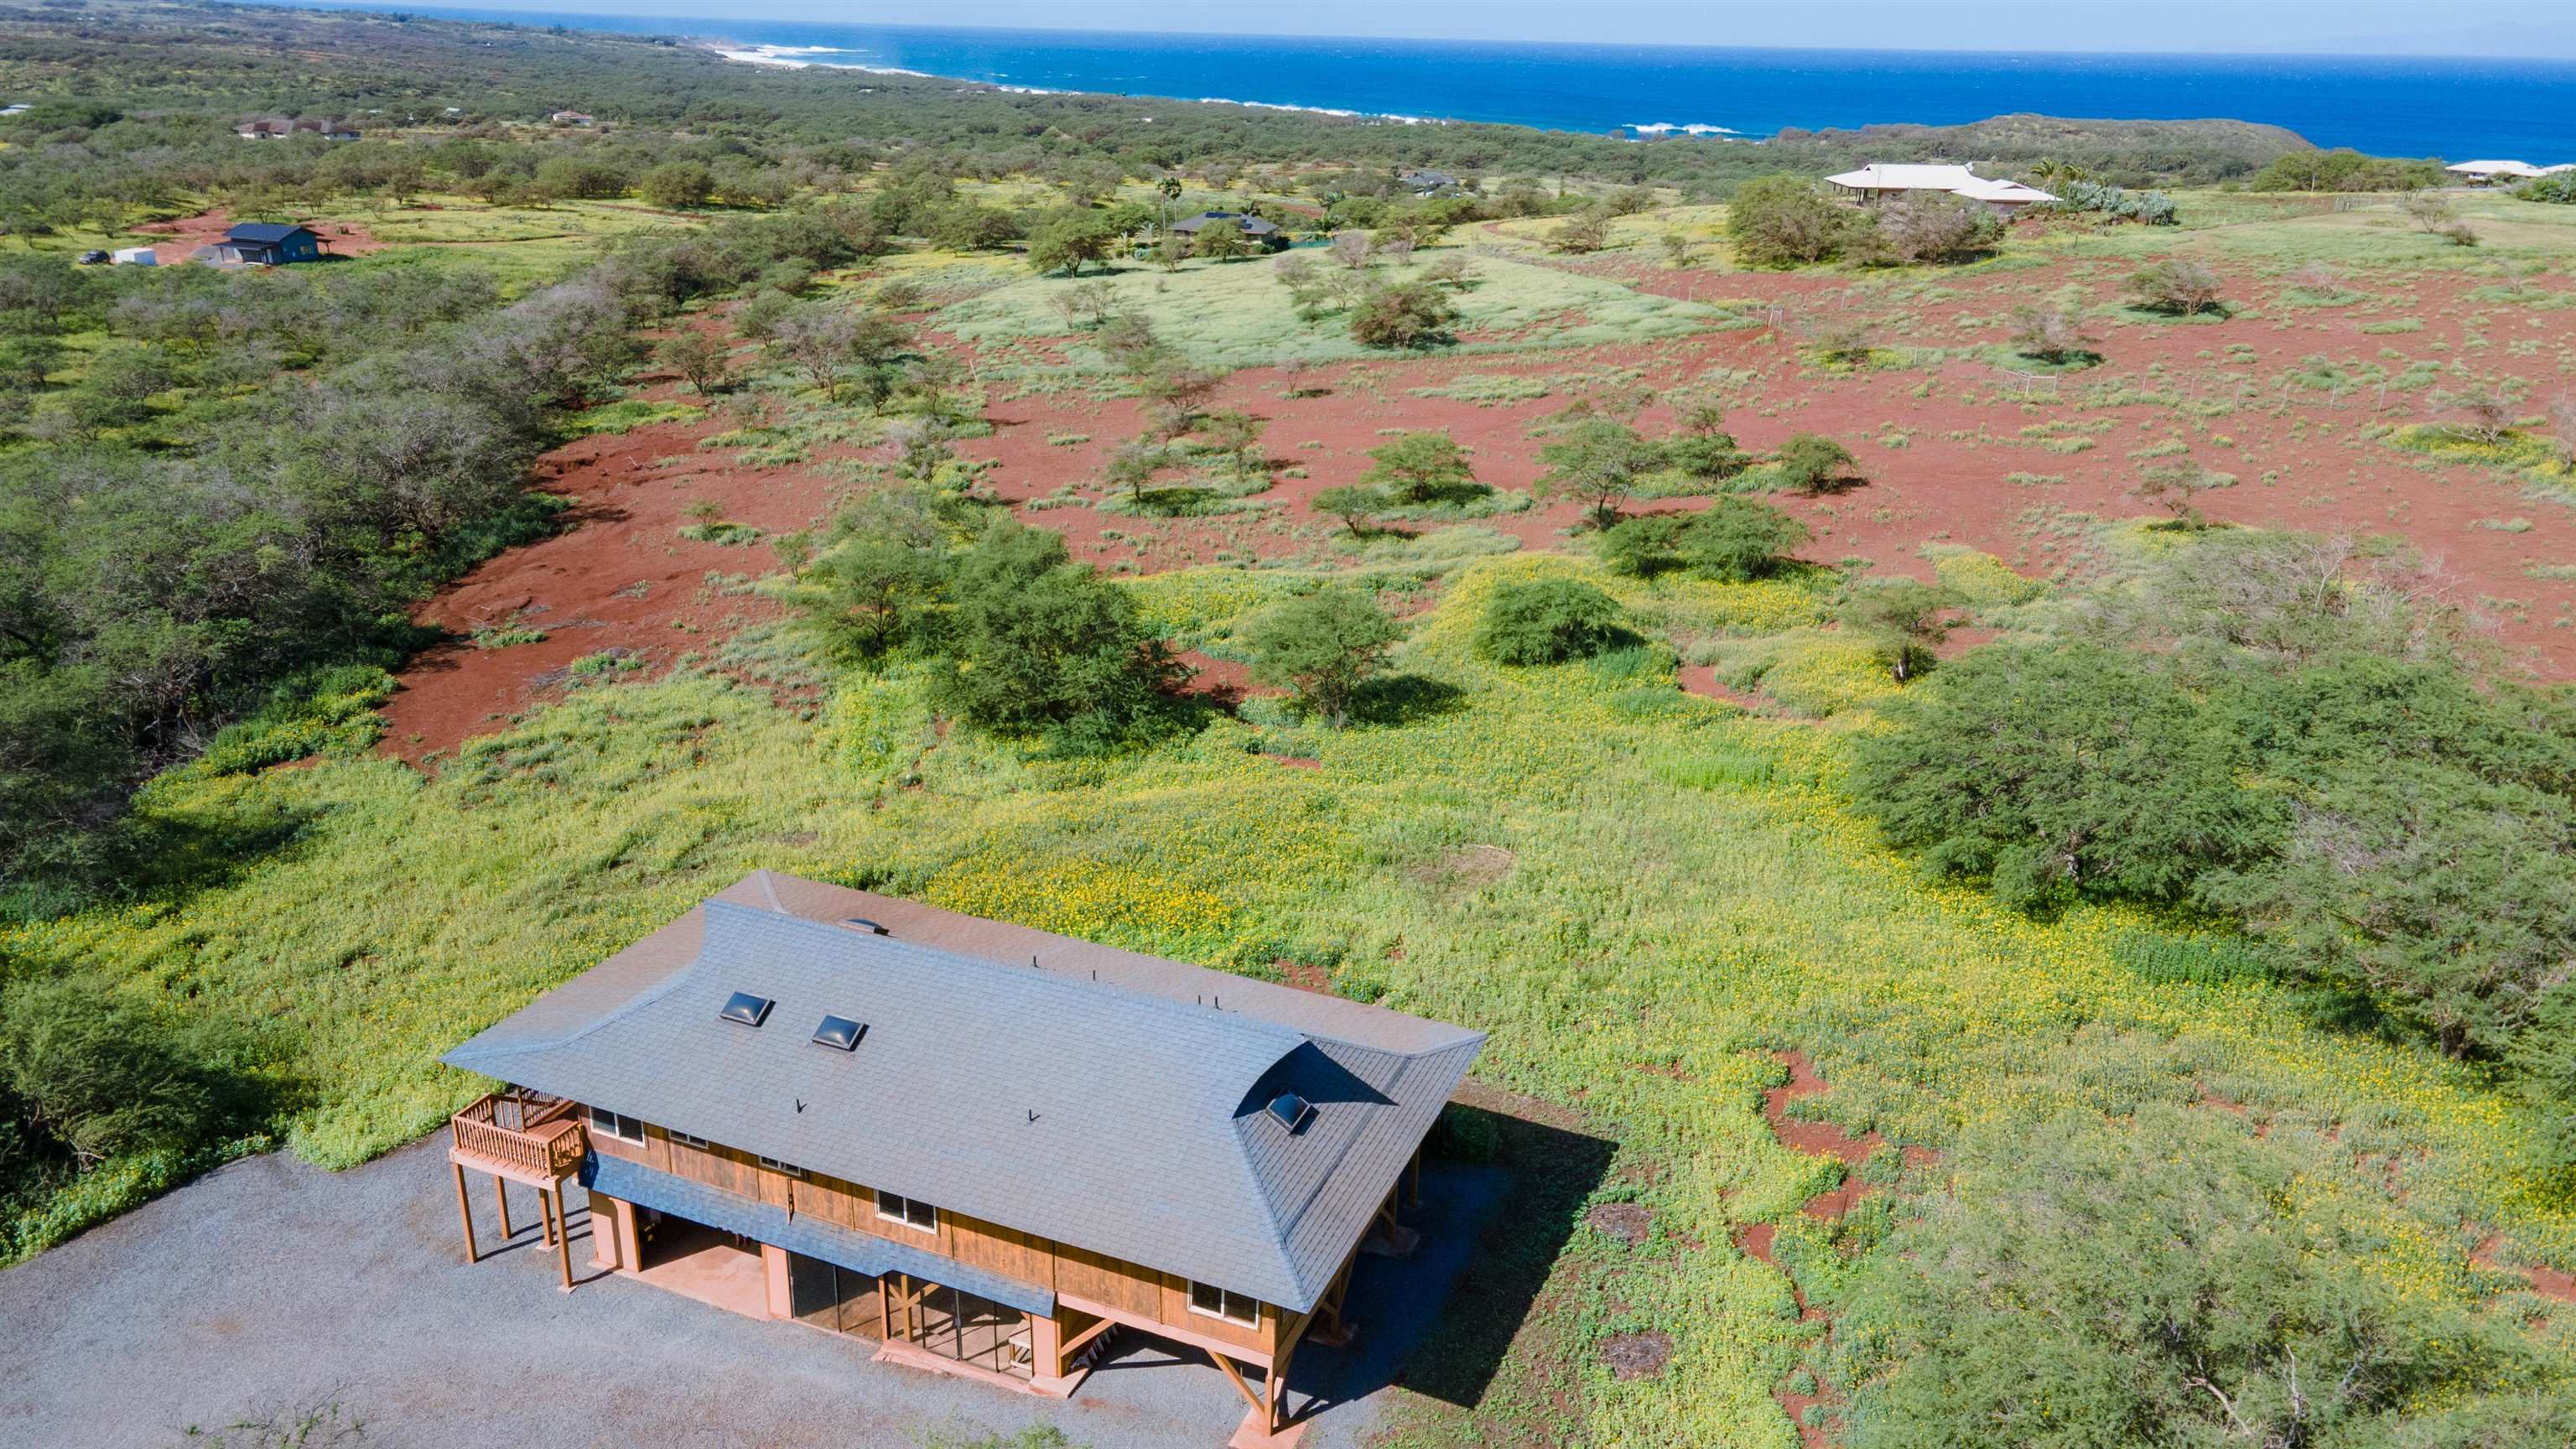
(2487, 173)
(1884, 181)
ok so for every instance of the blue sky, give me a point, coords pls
(2540, 28)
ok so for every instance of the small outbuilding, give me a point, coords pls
(572, 118)
(1881, 182)
(135, 257)
(266, 244)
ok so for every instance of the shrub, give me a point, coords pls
(2051, 334)
(677, 185)
(1547, 621)
(1711, 455)
(1424, 467)
(1323, 645)
(2196, 1280)
(1352, 502)
(1936, 227)
(2059, 772)
(1739, 539)
(90, 1074)
(1784, 221)
(1597, 460)
(2148, 208)
(2175, 285)
(1044, 647)
(1812, 464)
(1406, 314)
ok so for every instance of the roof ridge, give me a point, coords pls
(1001, 969)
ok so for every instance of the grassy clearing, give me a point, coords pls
(1237, 314)
(1684, 891)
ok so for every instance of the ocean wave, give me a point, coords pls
(1318, 111)
(1696, 128)
(797, 57)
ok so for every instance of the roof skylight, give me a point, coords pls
(745, 1008)
(840, 1032)
(1293, 1111)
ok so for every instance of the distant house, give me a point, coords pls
(1427, 183)
(19, 109)
(572, 118)
(1259, 229)
(984, 1146)
(1880, 182)
(274, 130)
(136, 257)
(264, 244)
(2487, 173)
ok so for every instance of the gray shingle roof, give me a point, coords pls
(1149, 1141)
(1248, 225)
(263, 232)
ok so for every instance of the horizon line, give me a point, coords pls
(388, 6)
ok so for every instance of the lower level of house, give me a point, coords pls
(770, 1253)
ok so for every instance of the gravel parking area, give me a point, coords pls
(273, 1286)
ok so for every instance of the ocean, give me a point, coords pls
(2457, 109)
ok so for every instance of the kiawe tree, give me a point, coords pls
(1323, 645)
(1423, 467)
(1597, 461)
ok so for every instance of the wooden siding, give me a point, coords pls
(1131, 1288)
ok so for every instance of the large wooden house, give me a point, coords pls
(986, 1146)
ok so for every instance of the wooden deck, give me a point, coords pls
(523, 1137)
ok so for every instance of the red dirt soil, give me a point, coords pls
(174, 240)
(1942, 480)
(2547, 1282)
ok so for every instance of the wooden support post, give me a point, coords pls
(1413, 1181)
(1074, 1344)
(563, 1235)
(464, 1213)
(546, 1210)
(501, 1197)
(1235, 1376)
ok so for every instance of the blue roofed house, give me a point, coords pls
(986, 1146)
(265, 244)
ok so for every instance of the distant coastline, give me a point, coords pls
(2452, 108)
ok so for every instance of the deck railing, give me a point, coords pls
(517, 1130)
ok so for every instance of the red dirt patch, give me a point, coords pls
(618, 576)
(2547, 1282)
(174, 240)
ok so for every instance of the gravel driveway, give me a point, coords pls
(272, 1286)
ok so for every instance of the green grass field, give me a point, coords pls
(1684, 892)
(1238, 314)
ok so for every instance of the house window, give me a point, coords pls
(607, 1123)
(685, 1140)
(1215, 1302)
(911, 1212)
(774, 1165)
